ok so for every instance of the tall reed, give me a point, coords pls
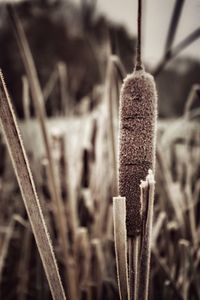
(39, 105)
(28, 191)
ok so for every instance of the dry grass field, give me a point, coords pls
(61, 232)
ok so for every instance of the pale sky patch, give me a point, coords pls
(157, 15)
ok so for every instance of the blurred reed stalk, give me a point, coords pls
(111, 117)
(28, 191)
(97, 271)
(147, 198)
(5, 245)
(171, 51)
(26, 98)
(38, 101)
(83, 258)
(63, 80)
(50, 85)
(23, 269)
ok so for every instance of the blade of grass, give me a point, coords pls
(157, 228)
(38, 101)
(194, 93)
(119, 66)
(133, 253)
(28, 191)
(63, 79)
(23, 269)
(111, 130)
(6, 243)
(83, 257)
(119, 216)
(50, 85)
(26, 98)
(165, 270)
(97, 271)
(147, 198)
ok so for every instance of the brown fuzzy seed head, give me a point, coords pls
(138, 114)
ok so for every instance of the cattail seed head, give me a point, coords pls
(138, 114)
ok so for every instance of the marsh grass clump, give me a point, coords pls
(74, 161)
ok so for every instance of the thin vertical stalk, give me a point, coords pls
(178, 6)
(63, 78)
(147, 197)
(138, 65)
(26, 98)
(6, 243)
(50, 85)
(111, 131)
(24, 265)
(119, 216)
(133, 252)
(97, 268)
(38, 101)
(28, 191)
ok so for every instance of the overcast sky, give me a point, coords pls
(157, 16)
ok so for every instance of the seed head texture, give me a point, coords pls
(138, 114)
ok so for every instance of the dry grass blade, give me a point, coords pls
(27, 187)
(26, 99)
(50, 85)
(63, 79)
(173, 24)
(133, 253)
(119, 66)
(23, 269)
(165, 270)
(194, 93)
(119, 216)
(97, 268)
(4, 249)
(83, 257)
(111, 130)
(157, 228)
(147, 198)
(38, 101)
(185, 265)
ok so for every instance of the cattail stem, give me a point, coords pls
(139, 65)
(138, 114)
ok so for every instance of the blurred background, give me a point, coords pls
(79, 34)
(73, 55)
